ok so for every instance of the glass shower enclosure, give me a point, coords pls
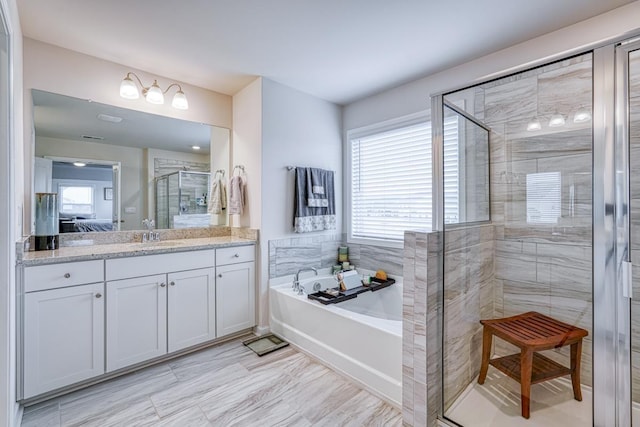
(181, 199)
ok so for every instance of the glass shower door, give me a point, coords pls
(629, 127)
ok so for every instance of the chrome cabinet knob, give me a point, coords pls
(162, 285)
(67, 275)
(219, 275)
(98, 295)
(172, 283)
(236, 256)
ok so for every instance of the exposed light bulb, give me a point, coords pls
(534, 125)
(556, 120)
(195, 147)
(128, 89)
(154, 94)
(582, 116)
(79, 164)
(180, 101)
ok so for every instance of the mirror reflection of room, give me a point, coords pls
(105, 163)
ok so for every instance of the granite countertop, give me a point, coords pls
(84, 250)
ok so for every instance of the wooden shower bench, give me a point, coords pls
(532, 332)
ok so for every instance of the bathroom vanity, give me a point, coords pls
(89, 313)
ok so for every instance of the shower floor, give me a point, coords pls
(497, 404)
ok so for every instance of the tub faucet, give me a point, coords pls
(296, 280)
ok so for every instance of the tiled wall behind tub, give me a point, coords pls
(287, 256)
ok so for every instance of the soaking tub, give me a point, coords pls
(361, 337)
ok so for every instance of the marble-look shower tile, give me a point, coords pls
(516, 267)
(565, 89)
(511, 99)
(520, 297)
(572, 307)
(578, 141)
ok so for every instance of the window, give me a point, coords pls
(76, 198)
(391, 183)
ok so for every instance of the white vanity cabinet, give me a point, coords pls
(235, 289)
(63, 329)
(84, 319)
(191, 309)
(136, 320)
(151, 315)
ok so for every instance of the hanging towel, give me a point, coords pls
(217, 196)
(237, 187)
(315, 187)
(308, 218)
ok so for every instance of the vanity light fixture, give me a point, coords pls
(79, 164)
(195, 147)
(556, 120)
(153, 94)
(534, 125)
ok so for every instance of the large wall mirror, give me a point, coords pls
(113, 167)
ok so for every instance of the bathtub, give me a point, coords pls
(361, 337)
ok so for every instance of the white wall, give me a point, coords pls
(11, 191)
(58, 70)
(414, 96)
(247, 149)
(297, 130)
(131, 167)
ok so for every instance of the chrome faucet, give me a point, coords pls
(296, 281)
(150, 235)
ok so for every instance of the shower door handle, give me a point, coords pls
(627, 279)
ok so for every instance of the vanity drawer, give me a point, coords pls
(147, 265)
(52, 276)
(235, 254)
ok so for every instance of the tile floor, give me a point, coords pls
(497, 404)
(225, 385)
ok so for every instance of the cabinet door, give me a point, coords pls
(136, 320)
(63, 337)
(235, 297)
(192, 305)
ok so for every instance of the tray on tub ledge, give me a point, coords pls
(327, 298)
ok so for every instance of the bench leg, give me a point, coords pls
(526, 367)
(487, 337)
(576, 354)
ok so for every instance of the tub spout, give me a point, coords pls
(296, 280)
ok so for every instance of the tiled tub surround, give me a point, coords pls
(287, 256)
(360, 338)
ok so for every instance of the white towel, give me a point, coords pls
(217, 196)
(237, 186)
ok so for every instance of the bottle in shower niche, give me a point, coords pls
(46, 237)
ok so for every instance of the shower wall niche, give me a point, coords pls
(181, 199)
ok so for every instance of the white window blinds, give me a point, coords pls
(391, 181)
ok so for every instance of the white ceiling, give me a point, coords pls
(338, 50)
